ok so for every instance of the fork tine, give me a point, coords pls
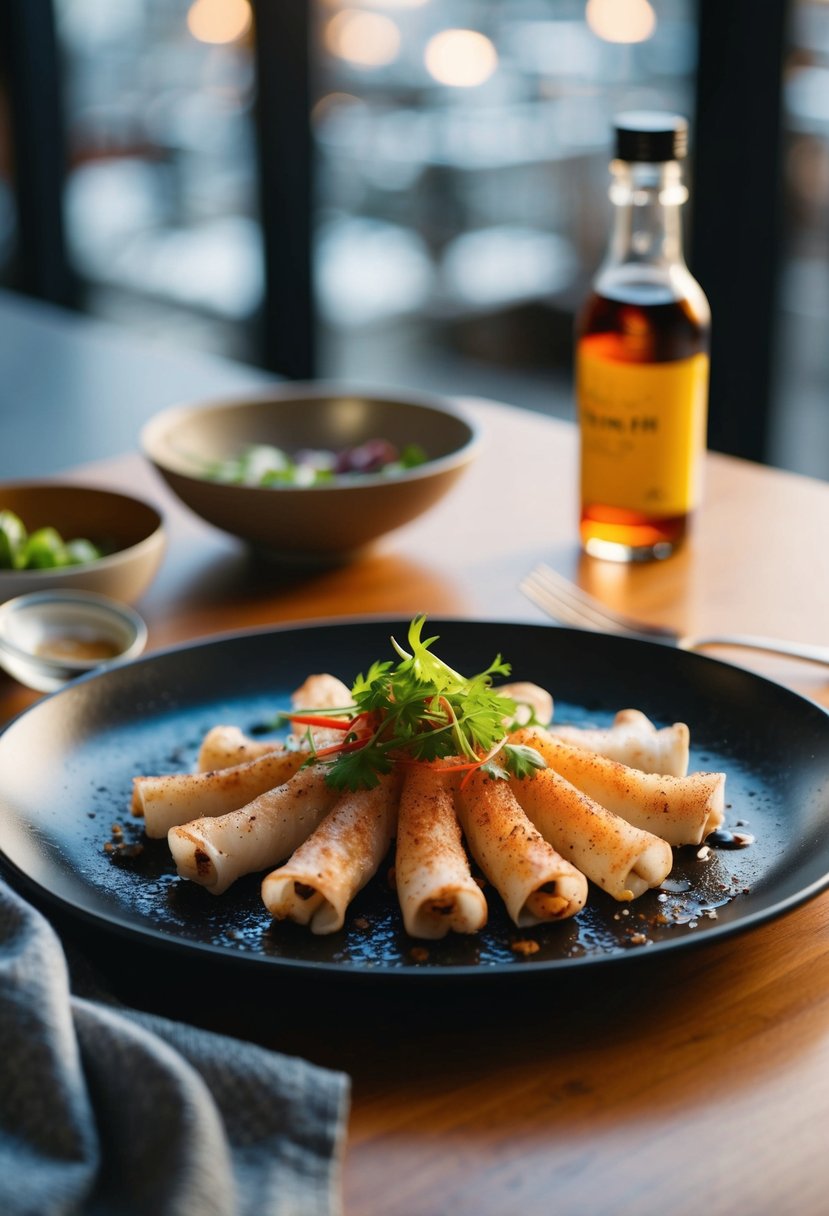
(557, 596)
(566, 608)
(581, 601)
(553, 607)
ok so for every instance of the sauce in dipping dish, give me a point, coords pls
(83, 649)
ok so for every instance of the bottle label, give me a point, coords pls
(643, 432)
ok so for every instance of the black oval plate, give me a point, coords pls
(66, 767)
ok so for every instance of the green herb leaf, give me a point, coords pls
(520, 760)
(359, 770)
(421, 709)
(492, 769)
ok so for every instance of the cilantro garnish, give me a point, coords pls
(420, 710)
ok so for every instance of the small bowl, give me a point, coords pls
(130, 529)
(50, 637)
(320, 522)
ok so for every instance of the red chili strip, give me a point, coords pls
(313, 720)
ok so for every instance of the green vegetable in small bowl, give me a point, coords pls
(43, 549)
(311, 473)
(263, 464)
(12, 541)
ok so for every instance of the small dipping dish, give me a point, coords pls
(50, 637)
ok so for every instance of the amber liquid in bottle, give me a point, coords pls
(642, 357)
(645, 324)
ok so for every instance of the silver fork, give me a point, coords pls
(568, 604)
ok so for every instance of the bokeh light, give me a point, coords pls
(369, 40)
(621, 20)
(460, 58)
(219, 21)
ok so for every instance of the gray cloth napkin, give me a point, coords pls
(107, 1111)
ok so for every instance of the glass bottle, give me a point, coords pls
(642, 357)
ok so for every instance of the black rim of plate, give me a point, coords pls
(66, 766)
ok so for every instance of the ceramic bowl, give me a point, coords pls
(50, 637)
(129, 530)
(319, 522)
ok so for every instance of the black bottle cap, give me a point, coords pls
(651, 137)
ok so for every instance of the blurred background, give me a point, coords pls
(413, 193)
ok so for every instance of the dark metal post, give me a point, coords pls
(283, 116)
(737, 204)
(31, 65)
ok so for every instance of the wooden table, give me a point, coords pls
(697, 1086)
